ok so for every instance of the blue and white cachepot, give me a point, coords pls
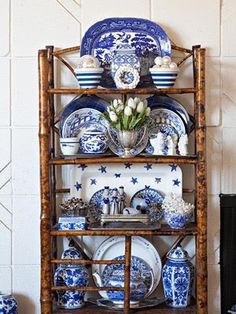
(177, 278)
(8, 304)
(94, 142)
(71, 275)
(124, 55)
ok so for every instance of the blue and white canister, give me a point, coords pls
(177, 278)
(8, 304)
(71, 275)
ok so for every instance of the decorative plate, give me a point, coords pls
(170, 103)
(140, 248)
(147, 37)
(79, 112)
(116, 147)
(137, 264)
(153, 201)
(144, 304)
(88, 180)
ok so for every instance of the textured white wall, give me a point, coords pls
(25, 27)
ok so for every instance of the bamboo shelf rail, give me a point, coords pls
(49, 189)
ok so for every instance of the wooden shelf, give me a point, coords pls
(164, 230)
(142, 91)
(192, 159)
(160, 309)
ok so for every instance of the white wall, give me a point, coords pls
(25, 27)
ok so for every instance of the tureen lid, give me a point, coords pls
(178, 254)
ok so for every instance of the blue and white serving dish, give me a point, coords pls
(146, 37)
(71, 275)
(72, 223)
(177, 278)
(8, 304)
(144, 256)
(82, 111)
(88, 180)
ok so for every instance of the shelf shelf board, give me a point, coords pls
(160, 309)
(191, 229)
(71, 160)
(142, 91)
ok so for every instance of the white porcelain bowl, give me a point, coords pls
(69, 145)
(89, 77)
(164, 77)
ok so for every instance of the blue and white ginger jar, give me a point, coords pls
(177, 278)
(94, 142)
(8, 304)
(71, 275)
(124, 55)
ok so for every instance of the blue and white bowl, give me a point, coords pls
(164, 77)
(89, 77)
(8, 304)
(177, 220)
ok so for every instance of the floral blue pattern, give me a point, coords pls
(8, 304)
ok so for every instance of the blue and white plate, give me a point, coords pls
(82, 111)
(153, 201)
(172, 104)
(147, 37)
(137, 264)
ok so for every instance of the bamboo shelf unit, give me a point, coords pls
(49, 160)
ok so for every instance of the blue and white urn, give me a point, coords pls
(124, 55)
(177, 278)
(71, 275)
(8, 304)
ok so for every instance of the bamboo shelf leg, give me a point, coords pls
(46, 298)
(201, 186)
(127, 273)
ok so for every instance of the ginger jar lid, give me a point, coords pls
(178, 254)
(125, 48)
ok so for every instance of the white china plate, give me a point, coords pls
(142, 248)
(86, 179)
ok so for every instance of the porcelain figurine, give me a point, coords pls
(158, 144)
(114, 204)
(105, 201)
(71, 275)
(138, 289)
(8, 304)
(177, 278)
(183, 145)
(171, 146)
(121, 199)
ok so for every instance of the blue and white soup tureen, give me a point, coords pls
(177, 278)
(8, 304)
(71, 275)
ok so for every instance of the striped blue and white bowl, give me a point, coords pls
(89, 77)
(164, 77)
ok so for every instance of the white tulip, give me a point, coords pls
(120, 108)
(148, 110)
(131, 103)
(120, 102)
(128, 111)
(115, 103)
(113, 116)
(136, 100)
(140, 106)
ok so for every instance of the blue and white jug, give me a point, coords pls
(71, 275)
(177, 278)
(8, 304)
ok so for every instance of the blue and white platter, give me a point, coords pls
(82, 111)
(88, 180)
(172, 104)
(148, 38)
(141, 249)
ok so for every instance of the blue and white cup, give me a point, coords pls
(164, 77)
(89, 77)
(69, 145)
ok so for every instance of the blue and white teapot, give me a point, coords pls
(71, 275)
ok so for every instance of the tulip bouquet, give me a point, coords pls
(129, 116)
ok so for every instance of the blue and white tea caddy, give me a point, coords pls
(71, 275)
(8, 304)
(124, 55)
(177, 278)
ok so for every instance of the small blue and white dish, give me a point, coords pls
(177, 220)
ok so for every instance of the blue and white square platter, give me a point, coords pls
(86, 180)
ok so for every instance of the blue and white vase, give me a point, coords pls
(177, 278)
(8, 304)
(71, 275)
(124, 55)
(94, 142)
